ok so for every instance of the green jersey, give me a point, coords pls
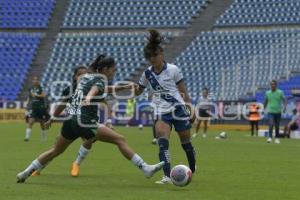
(36, 102)
(275, 101)
(86, 114)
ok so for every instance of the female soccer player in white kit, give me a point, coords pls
(169, 99)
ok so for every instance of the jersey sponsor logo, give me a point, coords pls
(158, 88)
(75, 105)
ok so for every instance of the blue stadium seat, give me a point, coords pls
(257, 12)
(16, 54)
(233, 63)
(25, 14)
(143, 13)
(71, 50)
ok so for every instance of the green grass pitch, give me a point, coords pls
(239, 168)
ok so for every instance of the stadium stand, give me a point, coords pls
(232, 63)
(16, 54)
(131, 13)
(25, 14)
(261, 12)
(73, 49)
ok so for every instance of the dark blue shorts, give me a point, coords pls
(180, 119)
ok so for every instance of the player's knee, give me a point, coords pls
(161, 133)
(88, 145)
(120, 140)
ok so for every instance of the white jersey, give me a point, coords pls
(204, 103)
(163, 87)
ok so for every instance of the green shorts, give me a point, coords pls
(71, 130)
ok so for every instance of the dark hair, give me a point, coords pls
(101, 62)
(205, 89)
(75, 74)
(274, 81)
(154, 44)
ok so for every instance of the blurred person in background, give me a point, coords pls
(275, 103)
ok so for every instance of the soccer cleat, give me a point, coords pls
(269, 140)
(204, 135)
(164, 180)
(26, 140)
(277, 141)
(36, 173)
(194, 135)
(21, 177)
(149, 170)
(75, 169)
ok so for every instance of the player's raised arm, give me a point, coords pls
(92, 93)
(138, 90)
(182, 89)
(116, 88)
(62, 102)
(140, 87)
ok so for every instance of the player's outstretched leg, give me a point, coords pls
(59, 147)
(107, 135)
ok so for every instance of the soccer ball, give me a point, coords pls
(181, 175)
(222, 135)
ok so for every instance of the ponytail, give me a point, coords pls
(101, 62)
(153, 46)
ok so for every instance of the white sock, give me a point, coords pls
(35, 165)
(44, 135)
(28, 133)
(137, 161)
(82, 153)
(45, 165)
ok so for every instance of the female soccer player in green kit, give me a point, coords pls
(38, 111)
(83, 121)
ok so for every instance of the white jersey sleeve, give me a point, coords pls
(143, 81)
(177, 75)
